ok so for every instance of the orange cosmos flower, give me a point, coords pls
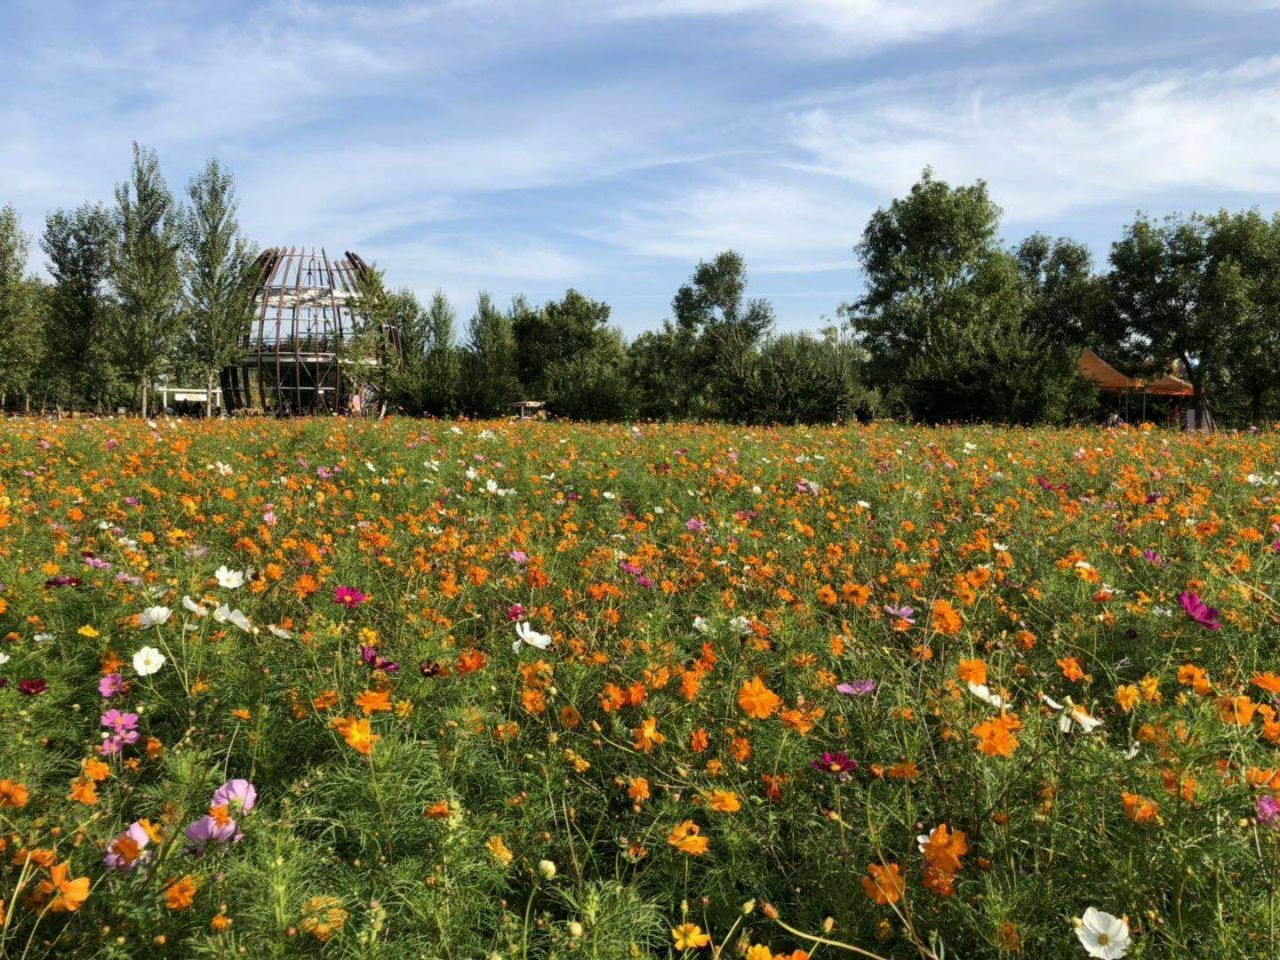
(724, 801)
(1071, 668)
(1139, 809)
(944, 619)
(686, 838)
(996, 736)
(758, 701)
(884, 883)
(647, 736)
(943, 848)
(13, 794)
(1267, 681)
(68, 894)
(359, 735)
(972, 671)
(181, 893)
(84, 790)
(372, 701)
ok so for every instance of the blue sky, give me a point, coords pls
(532, 145)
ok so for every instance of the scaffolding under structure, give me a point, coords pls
(292, 359)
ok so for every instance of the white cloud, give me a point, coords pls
(1054, 149)
(855, 25)
(780, 223)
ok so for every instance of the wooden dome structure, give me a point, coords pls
(292, 359)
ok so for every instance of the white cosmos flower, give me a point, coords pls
(147, 661)
(1103, 935)
(700, 624)
(229, 579)
(280, 633)
(1072, 715)
(225, 614)
(194, 607)
(741, 624)
(153, 617)
(4, 658)
(985, 694)
(526, 634)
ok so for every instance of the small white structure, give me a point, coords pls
(206, 398)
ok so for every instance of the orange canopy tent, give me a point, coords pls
(1093, 367)
(1170, 386)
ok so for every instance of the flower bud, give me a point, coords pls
(546, 869)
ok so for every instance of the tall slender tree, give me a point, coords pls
(491, 372)
(146, 272)
(21, 310)
(218, 274)
(79, 336)
(440, 362)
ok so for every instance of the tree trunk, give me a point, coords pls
(208, 394)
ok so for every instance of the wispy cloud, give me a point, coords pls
(534, 144)
(1060, 147)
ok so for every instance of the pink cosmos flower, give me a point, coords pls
(238, 793)
(207, 830)
(110, 685)
(857, 688)
(1199, 611)
(136, 833)
(1268, 810)
(349, 597)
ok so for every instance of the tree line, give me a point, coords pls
(953, 324)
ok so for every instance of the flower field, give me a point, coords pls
(408, 689)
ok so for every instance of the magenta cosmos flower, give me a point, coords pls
(349, 597)
(836, 764)
(1199, 611)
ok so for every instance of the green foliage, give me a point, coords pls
(81, 320)
(218, 272)
(145, 272)
(23, 302)
(490, 364)
(955, 327)
(797, 378)
(428, 380)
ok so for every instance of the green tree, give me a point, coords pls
(720, 332)
(22, 301)
(491, 372)
(1245, 250)
(569, 356)
(441, 360)
(1181, 299)
(372, 355)
(219, 274)
(145, 270)
(655, 370)
(944, 319)
(80, 320)
(801, 378)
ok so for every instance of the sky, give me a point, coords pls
(528, 146)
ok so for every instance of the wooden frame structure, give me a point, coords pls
(291, 357)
